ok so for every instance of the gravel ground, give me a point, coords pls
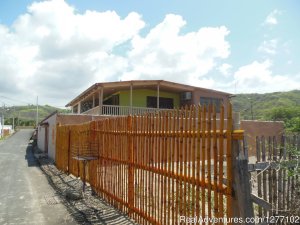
(90, 209)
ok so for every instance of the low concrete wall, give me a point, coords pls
(260, 128)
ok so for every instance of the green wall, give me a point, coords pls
(139, 97)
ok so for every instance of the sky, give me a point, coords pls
(56, 49)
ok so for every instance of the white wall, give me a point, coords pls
(5, 127)
(51, 136)
(41, 138)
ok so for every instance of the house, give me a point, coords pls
(46, 130)
(139, 96)
(123, 98)
(5, 130)
(136, 97)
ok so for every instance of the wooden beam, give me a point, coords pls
(259, 166)
(261, 202)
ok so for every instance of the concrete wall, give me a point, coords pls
(6, 129)
(41, 138)
(139, 97)
(51, 136)
(260, 128)
(53, 121)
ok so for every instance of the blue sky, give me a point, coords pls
(56, 49)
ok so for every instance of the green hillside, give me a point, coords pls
(26, 115)
(283, 106)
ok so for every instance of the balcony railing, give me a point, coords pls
(116, 110)
(125, 110)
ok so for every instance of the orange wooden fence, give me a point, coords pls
(158, 167)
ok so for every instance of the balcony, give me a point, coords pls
(115, 110)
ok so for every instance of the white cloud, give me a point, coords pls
(165, 53)
(258, 77)
(225, 69)
(272, 18)
(269, 47)
(55, 52)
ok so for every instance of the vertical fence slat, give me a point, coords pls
(259, 184)
(198, 150)
(220, 159)
(203, 162)
(263, 158)
(208, 157)
(215, 160)
(185, 162)
(270, 180)
(229, 208)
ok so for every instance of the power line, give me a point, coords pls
(11, 99)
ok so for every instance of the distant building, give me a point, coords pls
(5, 130)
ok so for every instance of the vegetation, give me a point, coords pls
(26, 115)
(277, 106)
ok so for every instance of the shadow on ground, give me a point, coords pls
(31, 160)
(90, 209)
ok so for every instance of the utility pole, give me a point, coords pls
(37, 111)
(19, 118)
(13, 127)
(252, 109)
(2, 130)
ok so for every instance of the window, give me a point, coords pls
(164, 103)
(86, 105)
(112, 100)
(214, 101)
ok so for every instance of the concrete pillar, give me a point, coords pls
(157, 95)
(93, 106)
(100, 100)
(131, 98)
(79, 108)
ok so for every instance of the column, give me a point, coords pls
(100, 101)
(79, 108)
(131, 98)
(93, 106)
(157, 95)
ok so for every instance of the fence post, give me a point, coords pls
(69, 148)
(130, 165)
(242, 202)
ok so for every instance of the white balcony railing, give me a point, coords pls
(116, 110)
(126, 110)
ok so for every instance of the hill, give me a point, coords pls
(26, 115)
(264, 104)
(277, 106)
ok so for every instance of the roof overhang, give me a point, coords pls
(112, 87)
